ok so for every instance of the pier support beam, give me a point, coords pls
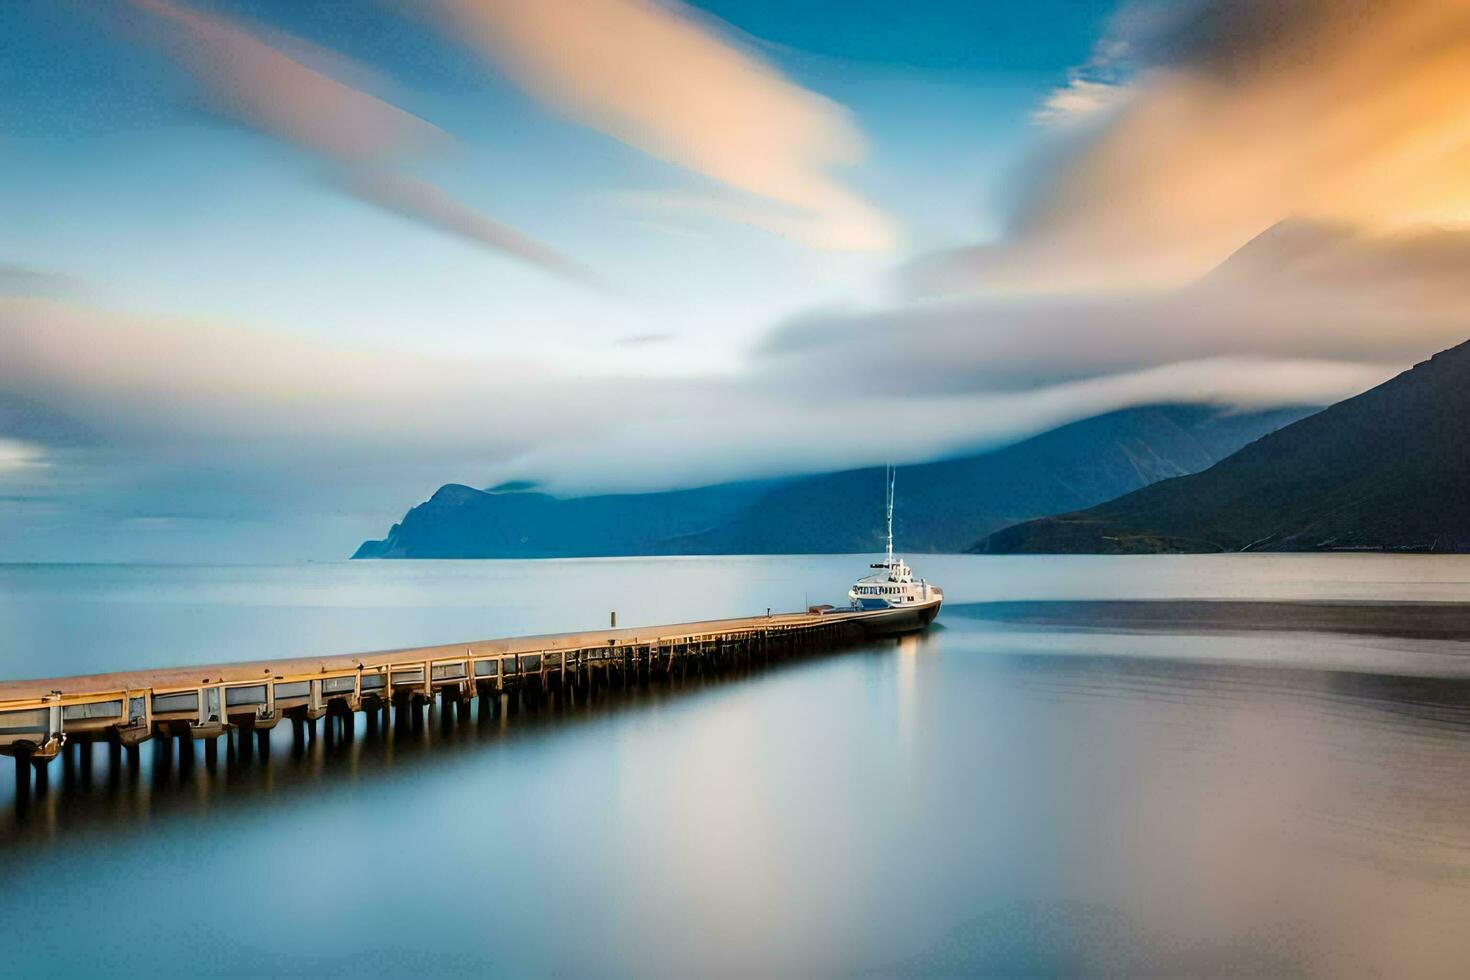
(211, 753)
(163, 756)
(263, 743)
(69, 763)
(22, 779)
(186, 754)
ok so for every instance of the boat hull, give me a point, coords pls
(901, 619)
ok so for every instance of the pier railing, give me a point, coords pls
(41, 718)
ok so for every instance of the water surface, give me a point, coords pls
(1042, 783)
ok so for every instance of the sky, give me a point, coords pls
(271, 271)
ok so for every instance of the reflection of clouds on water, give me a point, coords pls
(1165, 797)
(1407, 638)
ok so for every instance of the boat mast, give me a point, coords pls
(890, 478)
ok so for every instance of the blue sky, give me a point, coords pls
(121, 175)
(271, 271)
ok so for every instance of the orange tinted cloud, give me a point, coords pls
(653, 77)
(1241, 114)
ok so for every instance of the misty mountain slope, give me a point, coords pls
(946, 505)
(943, 506)
(1388, 469)
(462, 522)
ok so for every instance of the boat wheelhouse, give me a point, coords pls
(893, 584)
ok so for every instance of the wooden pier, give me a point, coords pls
(41, 718)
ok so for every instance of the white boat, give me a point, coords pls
(892, 600)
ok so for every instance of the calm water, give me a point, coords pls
(1196, 788)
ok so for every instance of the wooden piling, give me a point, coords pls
(248, 699)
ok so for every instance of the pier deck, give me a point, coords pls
(39, 717)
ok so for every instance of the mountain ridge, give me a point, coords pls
(943, 505)
(1387, 470)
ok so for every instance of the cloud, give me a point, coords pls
(644, 339)
(15, 454)
(666, 83)
(26, 281)
(206, 397)
(1081, 99)
(1299, 292)
(1242, 114)
(260, 86)
(420, 200)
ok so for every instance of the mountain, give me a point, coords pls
(942, 506)
(1387, 470)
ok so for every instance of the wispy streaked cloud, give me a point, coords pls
(26, 281)
(673, 85)
(270, 403)
(644, 339)
(420, 200)
(15, 454)
(1299, 292)
(257, 84)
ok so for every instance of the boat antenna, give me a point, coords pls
(891, 479)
